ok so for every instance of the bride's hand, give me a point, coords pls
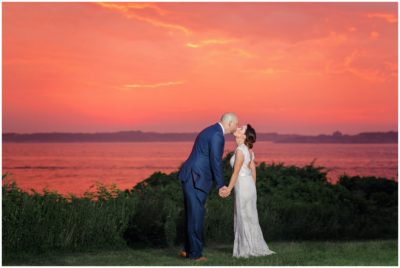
(228, 190)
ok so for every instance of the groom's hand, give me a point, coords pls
(223, 192)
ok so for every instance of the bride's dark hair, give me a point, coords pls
(250, 136)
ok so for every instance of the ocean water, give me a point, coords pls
(74, 167)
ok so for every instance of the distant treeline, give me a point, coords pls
(139, 136)
(294, 203)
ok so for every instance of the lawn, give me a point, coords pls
(373, 252)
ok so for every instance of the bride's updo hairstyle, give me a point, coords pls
(250, 136)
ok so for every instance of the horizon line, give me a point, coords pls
(155, 132)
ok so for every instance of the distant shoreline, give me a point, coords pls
(390, 137)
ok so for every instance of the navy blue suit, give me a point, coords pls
(196, 175)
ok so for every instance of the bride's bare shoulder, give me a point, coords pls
(240, 148)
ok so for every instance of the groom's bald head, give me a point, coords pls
(226, 117)
(230, 122)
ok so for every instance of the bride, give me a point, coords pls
(249, 240)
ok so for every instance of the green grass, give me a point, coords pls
(372, 252)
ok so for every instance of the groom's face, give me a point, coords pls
(234, 125)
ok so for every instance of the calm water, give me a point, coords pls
(74, 167)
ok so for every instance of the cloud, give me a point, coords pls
(367, 74)
(162, 84)
(266, 71)
(374, 35)
(223, 46)
(133, 6)
(349, 66)
(244, 53)
(331, 39)
(130, 11)
(388, 17)
(209, 42)
(352, 29)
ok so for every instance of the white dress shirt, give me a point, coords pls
(223, 131)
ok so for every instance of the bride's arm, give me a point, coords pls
(239, 158)
(253, 168)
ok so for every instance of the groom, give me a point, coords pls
(196, 174)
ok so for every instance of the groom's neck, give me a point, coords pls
(223, 129)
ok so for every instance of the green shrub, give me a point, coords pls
(294, 203)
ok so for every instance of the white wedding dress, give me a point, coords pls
(249, 240)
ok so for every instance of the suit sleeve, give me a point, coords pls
(216, 151)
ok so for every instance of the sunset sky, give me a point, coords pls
(176, 67)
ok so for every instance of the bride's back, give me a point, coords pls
(248, 157)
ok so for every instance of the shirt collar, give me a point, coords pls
(222, 127)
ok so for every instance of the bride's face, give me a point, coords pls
(239, 135)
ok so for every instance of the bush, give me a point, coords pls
(294, 203)
(39, 222)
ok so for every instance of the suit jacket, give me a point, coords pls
(205, 161)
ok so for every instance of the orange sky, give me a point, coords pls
(176, 67)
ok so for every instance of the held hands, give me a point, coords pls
(224, 191)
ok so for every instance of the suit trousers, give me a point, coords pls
(194, 200)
